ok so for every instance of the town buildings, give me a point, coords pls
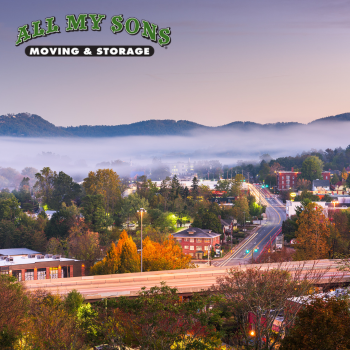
(287, 180)
(196, 241)
(28, 265)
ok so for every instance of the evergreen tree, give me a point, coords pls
(194, 188)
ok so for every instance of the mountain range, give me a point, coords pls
(32, 125)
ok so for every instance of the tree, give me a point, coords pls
(167, 255)
(165, 191)
(94, 213)
(312, 168)
(157, 319)
(54, 246)
(122, 258)
(13, 308)
(44, 185)
(241, 209)
(321, 324)
(130, 206)
(313, 234)
(335, 179)
(105, 182)
(344, 174)
(194, 188)
(9, 207)
(303, 185)
(256, 297)
(65, 191)
(110, 263)
(51, 326)
(207, 220)
(83, 244)
(129, 258)
(62, 221)
(264, 171)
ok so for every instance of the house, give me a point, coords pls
(26, 265)
(49, 213)
(228, 225)
(321, 185)
(196, 241)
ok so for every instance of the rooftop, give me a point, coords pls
(23, 260)
(17, 251)
(197, 233)
(321, 183)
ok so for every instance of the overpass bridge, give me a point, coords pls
(187, 281)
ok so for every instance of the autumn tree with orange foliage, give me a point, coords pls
(167, 255)
(313, 234)
(120, 258)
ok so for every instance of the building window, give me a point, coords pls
(29, 275)
(192, 247)
(199, 240)
(187, 247)
(178, 239)
(199, 247)
(42, 274)
(53, 272)
(17, 274)
(186, 239)
(192, 240)
(206, 247)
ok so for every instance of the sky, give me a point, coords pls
(249, 60)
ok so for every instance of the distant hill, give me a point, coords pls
(31, 125)
(28, 125)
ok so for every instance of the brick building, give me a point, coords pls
(195, 241)
(288, 179)
(29, 265)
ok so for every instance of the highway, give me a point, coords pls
(186, 281)
(275, 212)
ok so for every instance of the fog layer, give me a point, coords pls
(80, 155)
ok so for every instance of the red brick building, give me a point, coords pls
(36, 266)
(288, 179)
(196, 241)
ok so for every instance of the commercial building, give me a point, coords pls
(29, 265)
(288, 179)
(196, 241)
(339, 203)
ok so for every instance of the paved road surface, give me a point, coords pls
(275, 215)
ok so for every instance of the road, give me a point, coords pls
(186, 281)
(275, 212)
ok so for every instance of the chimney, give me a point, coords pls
(292, 169)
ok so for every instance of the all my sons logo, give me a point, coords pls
(84, 22)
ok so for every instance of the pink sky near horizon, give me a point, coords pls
(262, 61)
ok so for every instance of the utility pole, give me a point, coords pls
(141, 211)
(248, 176)
(209, 250)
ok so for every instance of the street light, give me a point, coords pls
(141, 211)
(209, 250)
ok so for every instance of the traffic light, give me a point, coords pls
(247, 251)
(267, 186)
(262, 186)
(255, 250)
